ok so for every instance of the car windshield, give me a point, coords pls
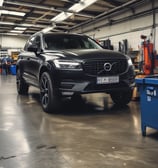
(56, 42)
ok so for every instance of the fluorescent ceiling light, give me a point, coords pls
(1, 2)
(6, 12)
(32, 25)
(75, 8)
(16, 31)
(81, 5)
(10, 34)
(15, 34)
(61, 17)
(7, 23)
(24, 25)
(47, 29)
(20, 28)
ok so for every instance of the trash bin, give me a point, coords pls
(148, 89)
(13, 69)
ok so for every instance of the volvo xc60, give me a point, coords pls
(64, 64)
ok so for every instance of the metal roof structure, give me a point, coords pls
(29, 16)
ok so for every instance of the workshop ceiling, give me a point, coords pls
(29, 16)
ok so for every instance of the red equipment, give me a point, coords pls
(148, 54)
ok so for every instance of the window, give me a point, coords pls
(35, 40)
(57, 42)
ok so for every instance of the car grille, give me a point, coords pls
(96, 67)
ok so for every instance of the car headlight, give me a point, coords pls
(130, 62)
(67, 65)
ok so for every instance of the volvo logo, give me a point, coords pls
(107, 66)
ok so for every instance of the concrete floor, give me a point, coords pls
(92, 133)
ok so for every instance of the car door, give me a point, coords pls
(33, 61)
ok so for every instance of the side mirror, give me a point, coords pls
(33, 48)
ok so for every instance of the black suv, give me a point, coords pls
(63, 64)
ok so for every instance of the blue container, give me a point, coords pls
(13, 69)
(148, 88)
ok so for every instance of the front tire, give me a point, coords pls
(49, 97)
(122, 98)
(22, 86)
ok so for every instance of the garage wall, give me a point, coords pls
(130, 30)
(127, 24)
(12, 41)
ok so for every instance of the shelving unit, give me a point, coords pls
(135, 59)
(3, 53)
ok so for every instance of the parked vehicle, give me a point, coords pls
(63, 64)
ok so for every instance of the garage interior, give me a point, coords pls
(91, 132)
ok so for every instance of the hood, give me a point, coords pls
(87, 54)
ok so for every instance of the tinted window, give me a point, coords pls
(35, 40)
(55, 42)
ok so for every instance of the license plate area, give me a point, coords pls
(107, 79)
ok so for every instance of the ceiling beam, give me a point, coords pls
(106, 13)
(31, 5)
(114, 2)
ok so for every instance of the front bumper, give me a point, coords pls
(78, 82)
(88, 87)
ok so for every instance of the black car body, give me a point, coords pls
(63, 64)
